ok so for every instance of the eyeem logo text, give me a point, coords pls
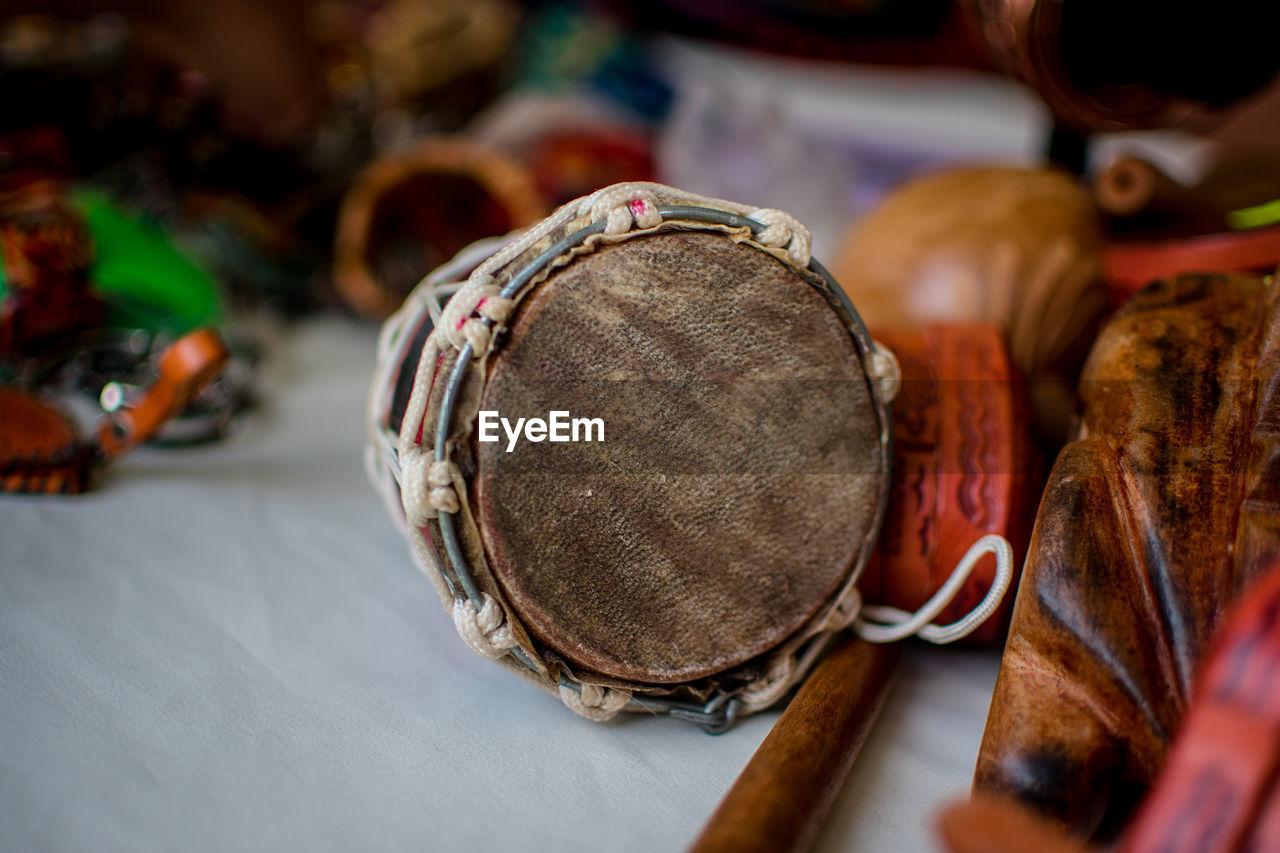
(558, 426)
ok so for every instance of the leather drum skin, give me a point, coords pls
(715, 534)
(1153, 520)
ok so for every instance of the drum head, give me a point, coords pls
(740, 470)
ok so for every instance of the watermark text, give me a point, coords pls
(559, 426)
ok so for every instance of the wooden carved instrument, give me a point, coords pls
(964, 465)
(1152, 521)
(1218, 792)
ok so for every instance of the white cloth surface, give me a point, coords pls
(228, 648)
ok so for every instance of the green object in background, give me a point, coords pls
(144, 280)
(1258, 216)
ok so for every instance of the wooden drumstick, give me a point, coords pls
(780, 799)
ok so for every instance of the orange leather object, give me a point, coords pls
(185, 367)
(963, 466)
(39, 450)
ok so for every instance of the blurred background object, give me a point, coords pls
(1016, 248)
(237, 128)
(414, 210)
(40, 450)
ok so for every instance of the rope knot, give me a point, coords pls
(593, 701)
(485, 631)
(462, 321)
(623, 207)
(782, 230)
(764, 691)
(414, 490)
(883, 367)
(441, 496)
(426, 487)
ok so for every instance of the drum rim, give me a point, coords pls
(712, 705)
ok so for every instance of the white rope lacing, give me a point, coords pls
(767, 689)
(382, 457)
(459, 326)
(880, 624)
(594, 702)
(882, 364)
(485, 631)
(635, 205)
(783, 231)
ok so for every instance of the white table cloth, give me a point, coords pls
(228, 648)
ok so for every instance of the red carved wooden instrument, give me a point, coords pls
(964, 465)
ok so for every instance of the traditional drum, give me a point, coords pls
(698, 464)
(643, 451)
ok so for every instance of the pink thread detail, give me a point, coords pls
(639, 206)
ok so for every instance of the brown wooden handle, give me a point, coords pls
(780, 799)
(184, 369)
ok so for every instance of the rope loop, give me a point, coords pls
(625, 206)
(461, 323)
(593, 701)
(765, 690)
(883, 366)
(414, 489)
(879, 624)
(426, 486)
(783, 231)
(485, 630)
(440, 477)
